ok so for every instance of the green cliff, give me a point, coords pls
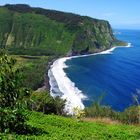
(36, 31)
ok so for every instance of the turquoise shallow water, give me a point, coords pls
(114, 76)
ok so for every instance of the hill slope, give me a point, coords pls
(60, 128)
(36, 31)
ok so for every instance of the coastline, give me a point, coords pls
(59, 81)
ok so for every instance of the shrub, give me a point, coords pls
(12, 120)
(131, 115)
(12, 115)
(96, 110)
(43, 102)
(79, 113)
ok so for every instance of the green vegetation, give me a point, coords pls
(32, 34)
(43, 102)
(15, 99)
(56, 128)
(35, 31)
(35, 37)
(12, 93)
(131, 115)
(33, 69)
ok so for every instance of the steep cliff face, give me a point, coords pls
(95, 35)
(36, 31)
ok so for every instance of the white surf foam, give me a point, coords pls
(117, 33)
(129, 45)
(68, 90)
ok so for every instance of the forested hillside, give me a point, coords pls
(36, 31)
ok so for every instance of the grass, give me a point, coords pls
(61, 128)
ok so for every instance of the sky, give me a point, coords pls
(124, 14)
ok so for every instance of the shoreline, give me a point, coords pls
(59, 81)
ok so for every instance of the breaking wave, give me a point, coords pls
(62, 86)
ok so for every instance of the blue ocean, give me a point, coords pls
(115, 77)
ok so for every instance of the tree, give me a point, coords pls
(12, 117)
(44, 102)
